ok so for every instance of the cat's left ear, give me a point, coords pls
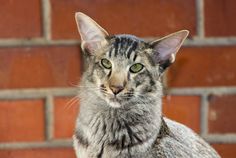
(93, 36)
(165, 49)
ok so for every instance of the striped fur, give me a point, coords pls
(127, 122)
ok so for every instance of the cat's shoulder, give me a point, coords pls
(179, 130)
(181, 141)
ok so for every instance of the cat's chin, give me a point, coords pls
(117, 101)
(114, 102)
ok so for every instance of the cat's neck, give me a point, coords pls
(131, 125)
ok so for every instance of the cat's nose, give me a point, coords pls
(116, 89)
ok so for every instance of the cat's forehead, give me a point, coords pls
(128, 36)
(126, 39)
(127, 46)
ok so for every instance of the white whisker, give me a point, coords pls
(71, 102)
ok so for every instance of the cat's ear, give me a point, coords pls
(165, 49)
(93, 36)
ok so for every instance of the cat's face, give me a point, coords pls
(124, 68)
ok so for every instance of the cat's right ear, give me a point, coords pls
(93, 36)
(166, 48)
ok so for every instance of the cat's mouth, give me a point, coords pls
(115, 99)
(120, 98)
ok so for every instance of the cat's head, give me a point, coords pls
(124, 68)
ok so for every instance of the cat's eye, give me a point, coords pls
(106, 63)
(136, 68)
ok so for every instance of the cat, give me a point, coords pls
(120, 98)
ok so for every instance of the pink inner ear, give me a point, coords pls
(90, 33)
(89, 30)
(93, 37)
(168, 48)
(92, 46)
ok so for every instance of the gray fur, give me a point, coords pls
(131, 125)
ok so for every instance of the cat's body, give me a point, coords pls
(120, 99)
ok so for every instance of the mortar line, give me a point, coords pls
(197, 42)
(49, 118)
(213, 138)
(200, 18)
(220, 138)
(37, 93)
(204, 115)
(46, 16)
(31, 145)
(230, 41)
(58, 92)
(36, 42)
(201, 90)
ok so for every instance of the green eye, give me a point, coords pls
(136, 68)
(106, 63)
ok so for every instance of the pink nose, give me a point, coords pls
(116, 89)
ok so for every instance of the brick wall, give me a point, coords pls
(40, 64)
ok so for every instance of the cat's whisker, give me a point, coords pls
(73, 84)
(87, 86)
(71, 102)
(95, 88)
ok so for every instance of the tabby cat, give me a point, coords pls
(120, 98)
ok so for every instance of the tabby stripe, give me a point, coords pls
(129, 45)
(81, 140)
(119, 46)
(133, 47)
(129, 76)
(122, 42)
(116, 46)
(135, 56)
(109, 74)
(123, 142)
(98, 126)
(101, 152)
(110, 52)
(129, 48)
(130, 133)
(150, 59)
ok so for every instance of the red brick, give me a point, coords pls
(33, 67)
(66, 111)
(183, 109)
(38, 153)
(21, 120)
(20, 19)
(219, 17)
(203, 67)
(222, 114)
(226, 150)
(141, 18)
